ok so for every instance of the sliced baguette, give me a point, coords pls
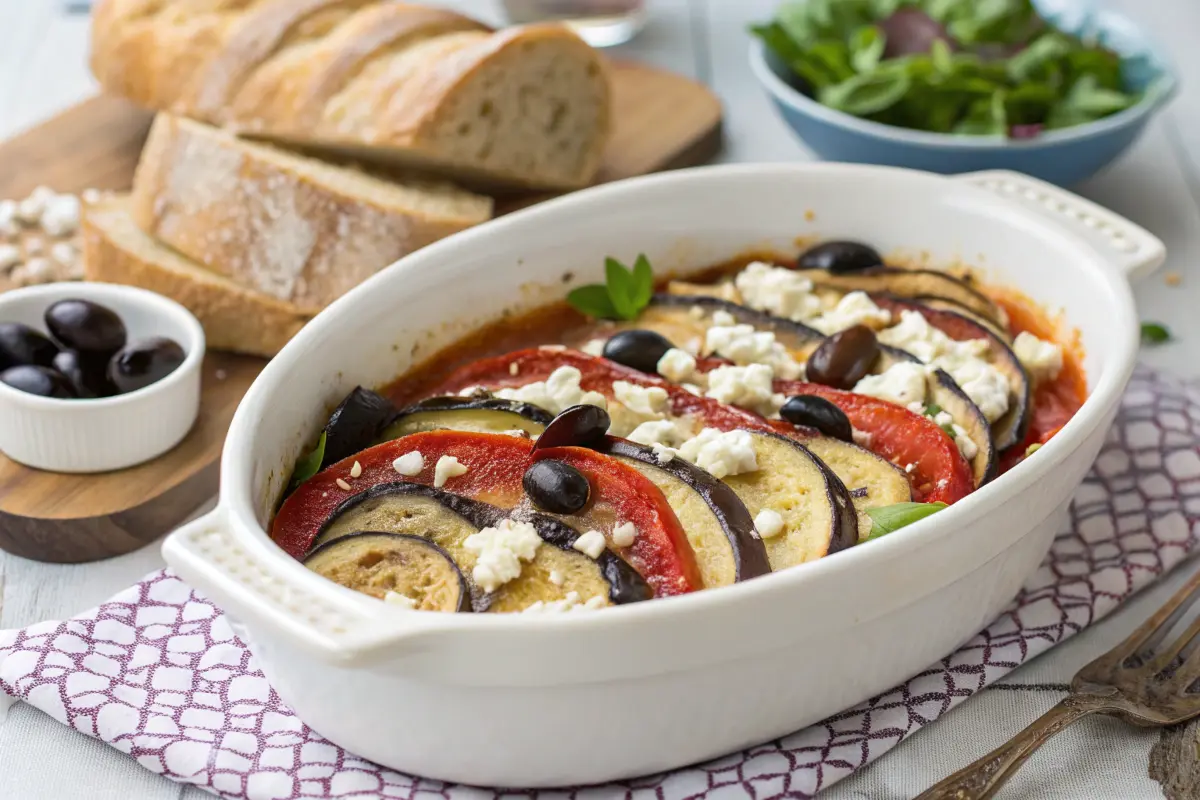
(522, 108)
(295, 228)
(236, 319)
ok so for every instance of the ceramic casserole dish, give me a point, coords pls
(523, 700)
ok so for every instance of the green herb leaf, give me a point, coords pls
(866, 48)
(620, 288)
(623, 295)
(932, 410)
(942, 57)
(643, 282)
(1155, 333)
(864, 95)
(309, 464)
(594, 301)
(887, 519)
(1033, 59)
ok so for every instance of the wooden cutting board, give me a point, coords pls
(662, 121)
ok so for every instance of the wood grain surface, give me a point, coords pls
(663, 121)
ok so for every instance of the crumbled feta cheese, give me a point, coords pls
(668, 432)
(400, 600)
(499, 552)
(748, 387)
(855, 308)
(624, 534)
(942, 419)
(10, 256)
(557, 578)
(447, 467)
(594, 347)
(664, 454)
(861, 438)
(693, 345)
(591, 544)
(64, 253)
(986, 386)
(693, 388)
(557, 393)
(721, 453)
(1043, 360)
(409, 464)
(768, 523)
(514, 368)
(60, 215)
(572, 602)
(676, 365)
(902, 383)
(743, 345)
(29, 210)
(470, 390)
(917, 408)
(910, 467)
(646, 401)
(777, 291)
(8, 218)
(965, 445)
(723, 318)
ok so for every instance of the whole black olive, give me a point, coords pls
(88, 376)
(639, 349)
(37, 380)
(577, 426)
(817, 412)
(144, 362)
(21, 345)
(840, 257)
(87, 327)
(556, 487)
(845, 358)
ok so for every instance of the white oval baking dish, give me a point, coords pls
(524, 701)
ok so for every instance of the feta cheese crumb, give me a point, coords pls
(557, 578)
(1043, 360)
(499, 552)
(778, 291)
(409, 464)
(591, 544)
(721, 453)
(447, 467)
(855, 308)
(645, 401)
(594, 347)
(10, 256)
(660, 432)
(60, 215)
(664, 454)
(902, 383)
(676, 365)
(744, 345)
(768, 523)
(400, 600)
(965, 445)
(693, 388)
(748, 387)
(571, 602)
(557, 393)
(514, 368)
(624, 534)
(861, 438)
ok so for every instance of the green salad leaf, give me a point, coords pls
(1155, 333)
(970, 67)
(308, 464)
(624, 293)
(887, 519)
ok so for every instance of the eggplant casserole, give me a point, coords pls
(632, 444)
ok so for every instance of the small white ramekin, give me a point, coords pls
(106, 433)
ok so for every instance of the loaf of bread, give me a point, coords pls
(235, 318)
(523, 108)
(296, 228)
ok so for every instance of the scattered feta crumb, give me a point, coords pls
(768, 523)
(967, 447)
(470, 390)
(447, 467)
(909, 468)
(624, 534)
(942, 419)
(356, 470)
(514, 368)
(664, 454)
(677, 365)
(400, 600)
(591, 544)
(499, 552)
(743, 345)
(341, 484)
(861, 438)
(902, 383)
(749, 387)
(594, 347)
(668, 432)
(60, 215)
(409, 464)
(693, 388)
(645, 401)
(1042, 359)
(721, 453)
(10, 256)
(778, 291)
(557, 393)
(854, 308)
(557, 578)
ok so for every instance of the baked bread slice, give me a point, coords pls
(296, 228)
(523, 108)
(235, 318)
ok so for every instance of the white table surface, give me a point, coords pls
(43, 69)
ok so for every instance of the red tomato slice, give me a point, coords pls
(496, 464)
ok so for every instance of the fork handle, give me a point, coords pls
(983, 779)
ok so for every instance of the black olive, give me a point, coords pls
(556, 487)
(37, 380)
(840, 257)
(845, 358)
(639, 349)
(144, 362)
(811, 411)
(86, 327)
(88, 377)
(21, 345)
(577, 426)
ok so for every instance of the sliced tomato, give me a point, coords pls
(495, 466)
(939, 471)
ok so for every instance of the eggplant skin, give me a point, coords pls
(355, 424)
(749, 554)
(479, 402)
(911, 283)
(453, 413)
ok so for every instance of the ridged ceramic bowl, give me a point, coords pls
(1063, 157)
(522, 700)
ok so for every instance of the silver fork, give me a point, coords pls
(1139, 681)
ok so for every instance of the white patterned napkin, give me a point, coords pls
(157, 673)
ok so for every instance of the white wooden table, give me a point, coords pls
(43, 69)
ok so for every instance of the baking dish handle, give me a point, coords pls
(339, 625)
(1132, 248)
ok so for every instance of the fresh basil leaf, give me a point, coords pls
(932, 410)
(620, 288)
(942, 57)
(796, 20)
(1155, 333)
(308, 465)
(594, 301)
(866, 48)
(643, 282)
(1088, 96)
(886, 519)
(1032, 60)
(866, 94)
(832, 57)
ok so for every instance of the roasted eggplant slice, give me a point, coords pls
(718, 524)
(481, 414)
(673, 312)
(873, 481)
(447, 520)
(942, 304)
(911, 283)
(801, 509)
(355, 424)
(379, 564)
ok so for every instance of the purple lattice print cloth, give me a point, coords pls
(157, 672)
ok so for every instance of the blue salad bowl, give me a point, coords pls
(1063, 157)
